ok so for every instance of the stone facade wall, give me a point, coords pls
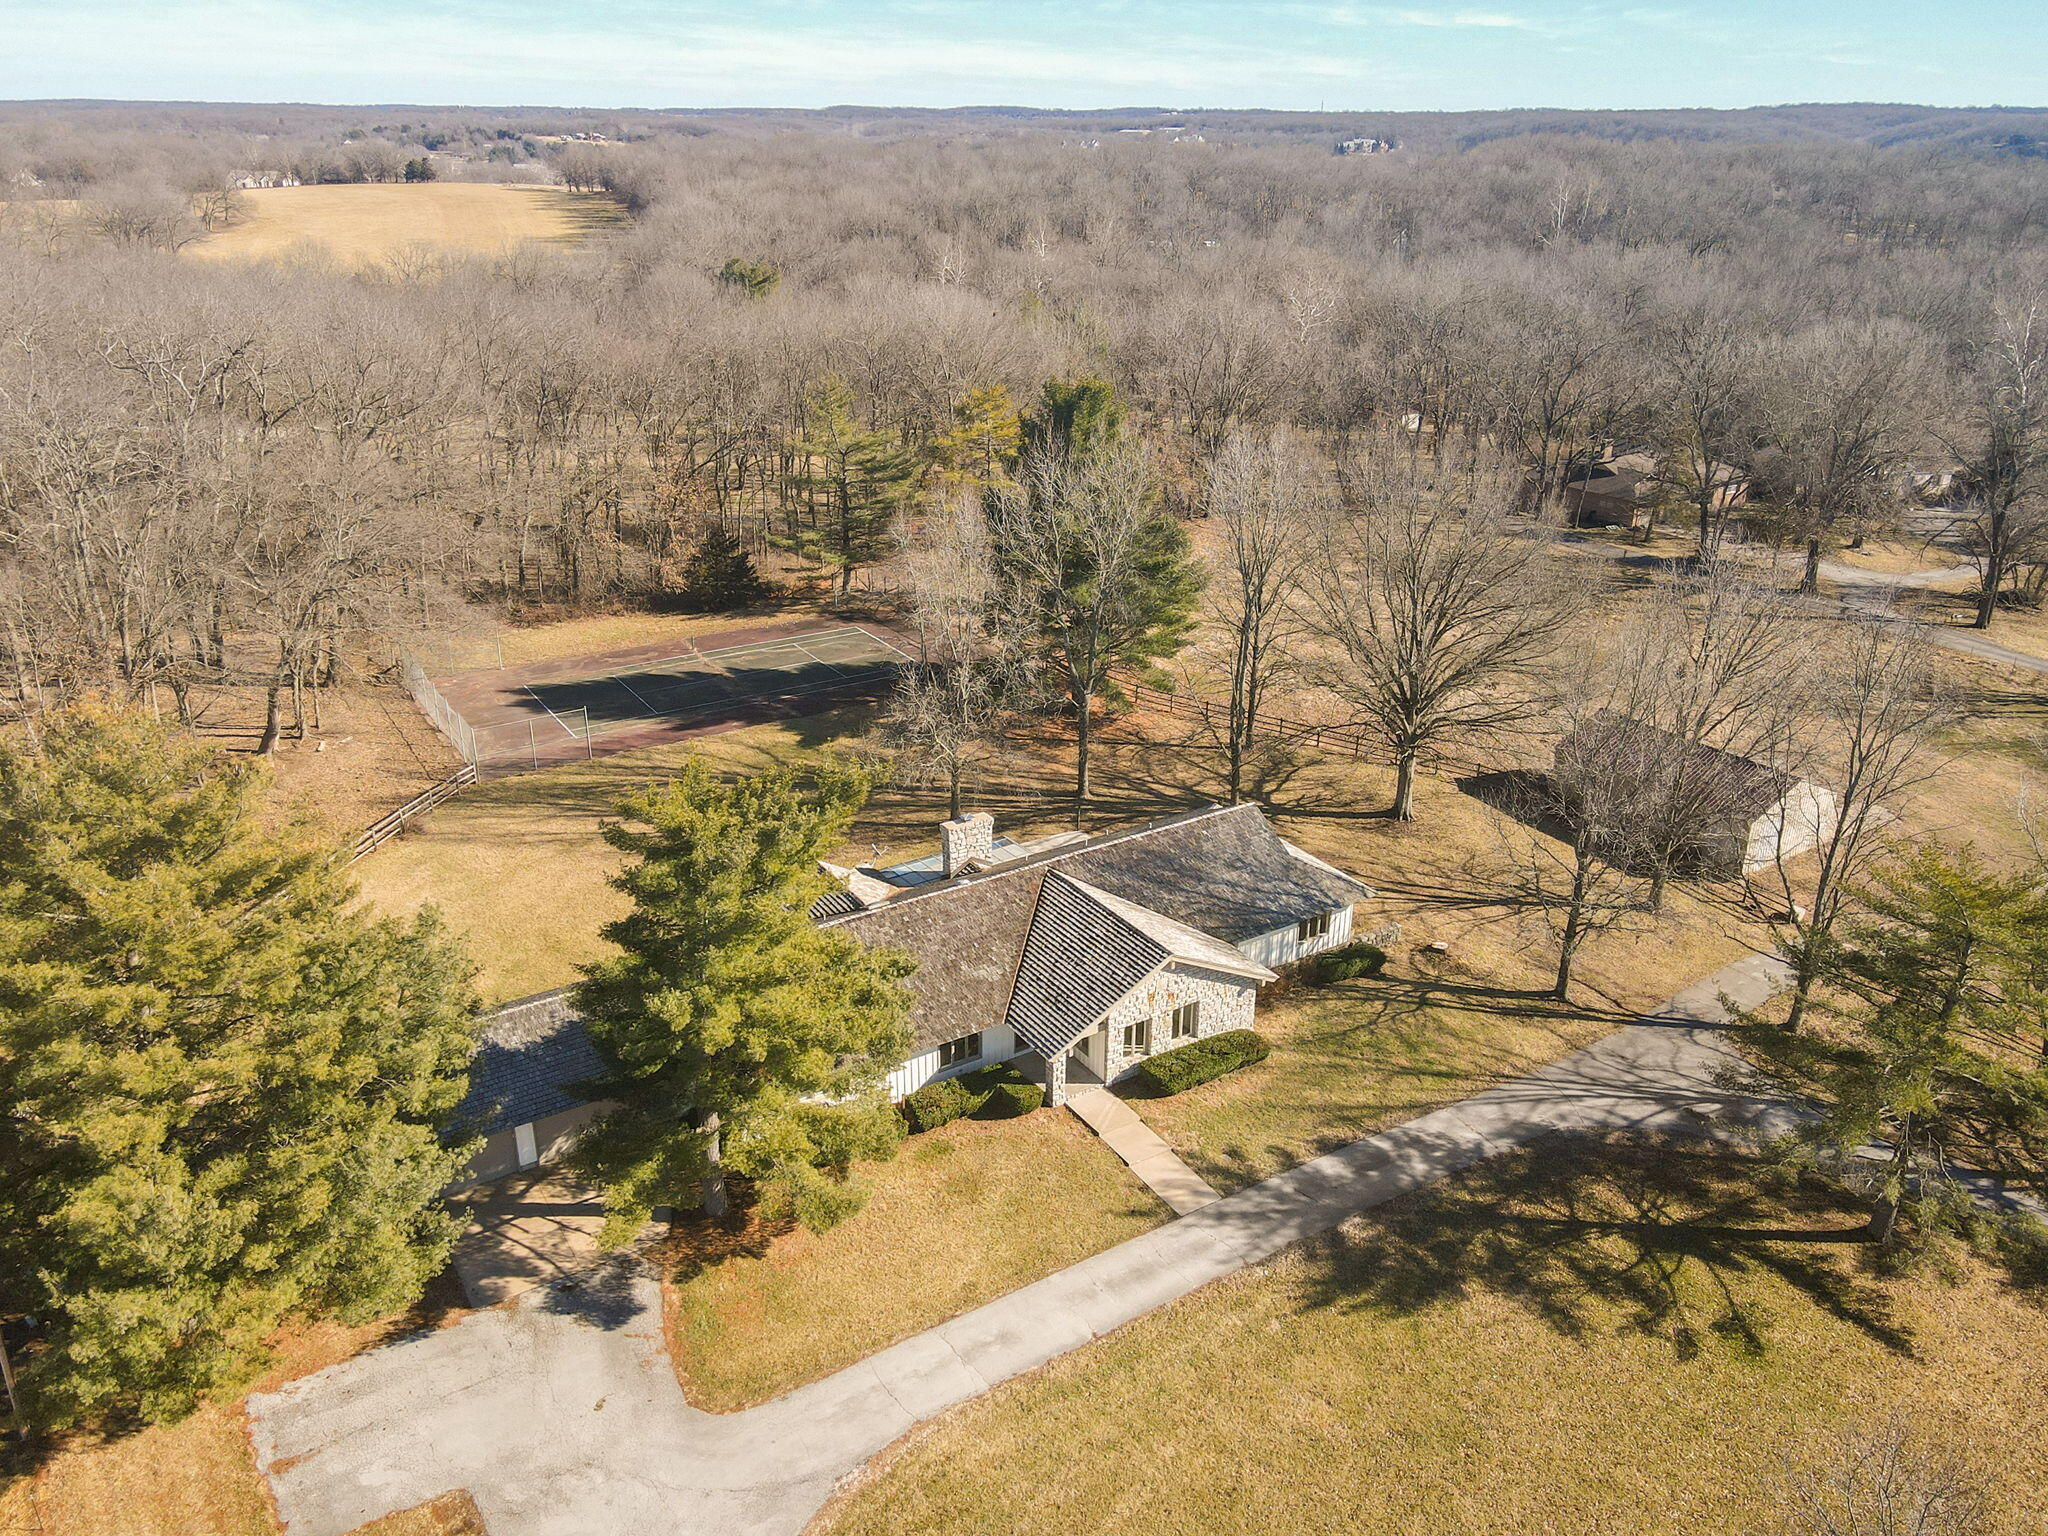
(1228, 1002)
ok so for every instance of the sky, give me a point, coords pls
(1046, 53)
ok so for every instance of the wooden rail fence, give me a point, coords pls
(1323, 738)
(388, 826)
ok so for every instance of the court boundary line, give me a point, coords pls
(543, 703)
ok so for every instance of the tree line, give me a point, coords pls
(318, 460)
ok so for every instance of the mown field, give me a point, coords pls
(1579, 1338)
(363, 225)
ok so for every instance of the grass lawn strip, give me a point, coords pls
(964, 1214)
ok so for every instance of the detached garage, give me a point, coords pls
(530, 1058)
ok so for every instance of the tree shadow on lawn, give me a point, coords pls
(1358, 1057)
(1658, 1236)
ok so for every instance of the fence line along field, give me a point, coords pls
(364, 224)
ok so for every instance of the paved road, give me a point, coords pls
(1875, 592)
(561, 1416)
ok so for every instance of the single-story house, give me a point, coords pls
(1080, 956)
(1747, 814)
(1075, 956)
(1615, 492)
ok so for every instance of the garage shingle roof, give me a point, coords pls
(528, 1059)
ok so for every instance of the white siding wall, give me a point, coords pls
(996, 1045)
(1280, 947)
(1795, 824)
(1228, 1002)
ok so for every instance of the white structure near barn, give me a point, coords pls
(1076, 957)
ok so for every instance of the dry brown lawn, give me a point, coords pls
(365, 225)
(1578, 1339)
(962, 1215)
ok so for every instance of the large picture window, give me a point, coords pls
(1309, 929)
(966, 1048)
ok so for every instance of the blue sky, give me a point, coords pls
(1174, 53)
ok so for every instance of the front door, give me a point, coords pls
(1088, 1052)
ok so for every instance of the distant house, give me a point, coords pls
(1616, 492)
(1366, 147)
(1076, 957)
(1741, 815)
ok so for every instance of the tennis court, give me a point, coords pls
(508, 718)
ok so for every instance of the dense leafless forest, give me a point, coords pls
(209, 469)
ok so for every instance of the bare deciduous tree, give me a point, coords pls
(2004, 483)
(1877, 710)
(1437, 617)
(1263, 497)
(1887, 1482)
(1712, 664)
(947, 715)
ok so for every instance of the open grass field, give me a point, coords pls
(1580, 1338)
(964, 1214)
(368, 224)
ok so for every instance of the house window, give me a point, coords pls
(1309, 929)
(1185, 1022)
(1138, 1038)
(966, 1048)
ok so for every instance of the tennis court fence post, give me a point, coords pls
(445, 717)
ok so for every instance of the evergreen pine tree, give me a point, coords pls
(739, 1036)
(1098, 575)
(980, 447)
(1936, 1011)
(720, 575)
(224, 1085)
(756, 279)
(857, 479)
(1075, 416)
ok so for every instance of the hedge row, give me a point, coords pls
(1348, 961)
(994, 1093)
(1184, 1067)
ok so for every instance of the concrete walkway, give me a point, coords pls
(1144, 1150)
(561, 1415)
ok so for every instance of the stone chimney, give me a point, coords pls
(972, 836)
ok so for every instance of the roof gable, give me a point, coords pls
(1221, 873)
(1080, 957)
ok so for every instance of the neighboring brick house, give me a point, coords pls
(1075, 956)
(1616, 492)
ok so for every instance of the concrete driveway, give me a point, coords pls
(534, 1228)
(562, 1417)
